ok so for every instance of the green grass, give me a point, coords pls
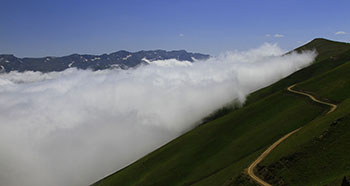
(219, 150)
(216, 153)
(325, 48)
(316, 155)
(333, 85)
(323, 64)
(319, 153)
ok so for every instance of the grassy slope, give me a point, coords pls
(217, 152)
(333, 85)
(319, 153)
(211, 148)
(326, 61)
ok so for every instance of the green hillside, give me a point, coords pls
(216, 153)
(319, 154)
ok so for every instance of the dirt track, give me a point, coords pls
(268, 150)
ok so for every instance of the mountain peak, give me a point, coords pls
(324, 47)
(120, 59)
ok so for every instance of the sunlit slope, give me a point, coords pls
(217, 152)
(319, 153)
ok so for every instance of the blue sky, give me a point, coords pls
(62, 27)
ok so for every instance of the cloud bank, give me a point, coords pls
(75, 127)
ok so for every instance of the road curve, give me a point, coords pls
(274, 145)
(333, 106)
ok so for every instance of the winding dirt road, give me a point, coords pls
(274, 145)
(333, 106)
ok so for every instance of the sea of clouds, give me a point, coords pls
(77, 126)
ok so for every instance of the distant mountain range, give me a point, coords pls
(121, 59)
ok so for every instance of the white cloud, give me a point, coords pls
(75, 127)
(278, 35)
(275, 35)
(171, 63)
(181, 35)
(340, 33)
